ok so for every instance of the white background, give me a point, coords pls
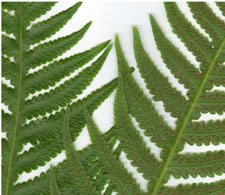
(118, 17)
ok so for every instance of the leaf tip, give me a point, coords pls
(88, 24)
(152, 19)
(79, 3)
(107, 42)
(116, 38)
(85, 111)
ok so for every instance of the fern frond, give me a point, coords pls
(9, 46)
(211, 102)
(9, 70)
(88, 159)
(131, 141)
(8, 96)
(201, 99)
(181, 68)
(51, 74)
(117, 174)
(45, 133)
(49, 133)
(153, 77)
(48, 51)
(8, 22)
(212, 24)
(46, 28)
(62, 95)
(193, 189)
(141, 108)
(205, 133)
(221, 6)
(35, 9)
(54, 190)
(203, 164)
(195, 42)
(81, 182)
(10, 6)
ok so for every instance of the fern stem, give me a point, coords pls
(18, 104)
(180, 132)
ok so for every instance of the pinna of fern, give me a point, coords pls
(130, 100)
(45, 133)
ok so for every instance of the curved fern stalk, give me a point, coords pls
(18, 58)
(130, 99)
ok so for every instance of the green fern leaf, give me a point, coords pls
(41, 30)
(81, 181)
(117, 174)
(70, 89)
(54, 190)
(221, 6)
(49, 75)
(131, 100)
(44, 133)
(88, 159)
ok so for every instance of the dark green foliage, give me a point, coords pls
(131, 141)
(130, 100)
(41, 30)
(80, 180)
(216, 188)
(63, 174)
(118, 177)
(90, 170)
(221, 6)
(54, 190)
(44, 133)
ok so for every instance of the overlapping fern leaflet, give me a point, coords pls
(18, 58)
(54, 189)
(80, 180)
(64, 174)
(118, 176)
(199, 82)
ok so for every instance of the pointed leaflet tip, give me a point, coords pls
(117, 41)
(91, 126)
(118, 47)
(135, 28)
(85, 110)
(88, 25)
(108, 49)
(151, 17)
(75, 7)
(152, 20)
(107, 42)
(117, 44)
(136, 34)
(123, 66)
(79, 3)
(86, 113)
